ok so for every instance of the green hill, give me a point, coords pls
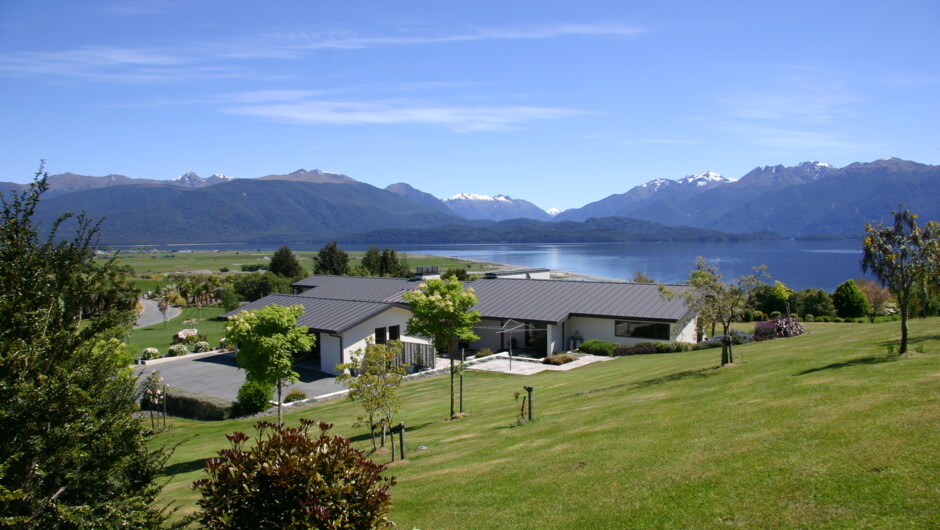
(823, 430)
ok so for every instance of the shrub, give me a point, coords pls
(150, 353)
(737, 337)
(837, 320)
(775, 314)
(293, 479)
(598, 347)
(177, 349)
(187, 404)
(485, 352)
(295, 395)
(191, 339)
(824, 318)
(559, 359)
(779, 328)
(223, 269)
(636, 349)
(201, 346)
(747, 315)
(808, 318)
(254, 396)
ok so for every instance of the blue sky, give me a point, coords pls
(559, 103)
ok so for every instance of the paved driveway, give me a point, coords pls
(151, 314)
(217, 375)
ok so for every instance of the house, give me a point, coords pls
(517, 312)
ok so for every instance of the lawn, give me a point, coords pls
(160, 336)
(823, 430)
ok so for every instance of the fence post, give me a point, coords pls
(529, 390)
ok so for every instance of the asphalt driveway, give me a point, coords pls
(218, 376)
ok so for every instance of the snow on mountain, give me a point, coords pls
(553, 211)
(494, 208)
(703, 179)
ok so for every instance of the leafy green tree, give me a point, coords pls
(814, 302)
(849, 300)
(372, 261)
(228, 298)
(291, 478)
(639, 277)
(905, 258)
(376, 385)
(782, 294)
(331, 260)
(285, 264)
(71, 453)
(257, 285)
(459, 273)
(267, 339)
(717, 301)
(440, 310)
(763, 298)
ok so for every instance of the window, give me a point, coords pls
(380, 336)
(641, 330)
(394, 333)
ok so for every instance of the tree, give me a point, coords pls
(267, 339)
(257, 285)
(782, 294)
(639, 277)
(814, 302)
(717, 301)
(331, 260)
(440, 310)
(849, 300)
(376, 385)
(291, 478)
(372, 261)
(877, 296)
(71, 453)
(285, 264)
(904, 257)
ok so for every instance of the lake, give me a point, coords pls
(799, 264)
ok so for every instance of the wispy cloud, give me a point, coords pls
(231, 58)
(384, 112)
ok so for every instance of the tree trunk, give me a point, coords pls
(280, 414)
(904, 315)
(452, 382)
(727, 355)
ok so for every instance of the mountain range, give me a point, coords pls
(806, 200)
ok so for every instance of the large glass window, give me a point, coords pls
(641, 330)
(380, 336)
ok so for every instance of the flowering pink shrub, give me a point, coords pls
(778, 328)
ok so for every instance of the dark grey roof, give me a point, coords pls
(336, 303)
(357, 288)
(321, 314)
(555, 300)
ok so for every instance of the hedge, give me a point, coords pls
(188, 404)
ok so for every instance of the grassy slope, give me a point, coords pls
(819, 430)
(160, 336)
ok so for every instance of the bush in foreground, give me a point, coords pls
(292, 479)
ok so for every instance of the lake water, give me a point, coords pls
(799, 264)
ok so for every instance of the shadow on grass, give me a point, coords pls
(677, 376)
(874, 359)
(184, 467)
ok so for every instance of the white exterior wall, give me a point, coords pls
(603, 329)
(687, 333)
(554, 340)
(487, 331)
(329, 353)
(355, 337)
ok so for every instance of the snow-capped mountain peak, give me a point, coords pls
(704, 179)
(656, 184)
(219, 176)
(553, 211)
(476, 197)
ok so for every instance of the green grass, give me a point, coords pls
(823, 430)
(150, 269)
(161, 337)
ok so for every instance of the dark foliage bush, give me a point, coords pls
(636, 349)
(252, 267)
(254, 396)
(484, 352)
(598, 347)
(291, 478)
(559, 359)
(187, 404)
(809, 318)
(747, 315)
(775, 314)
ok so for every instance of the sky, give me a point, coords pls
(557, 103)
